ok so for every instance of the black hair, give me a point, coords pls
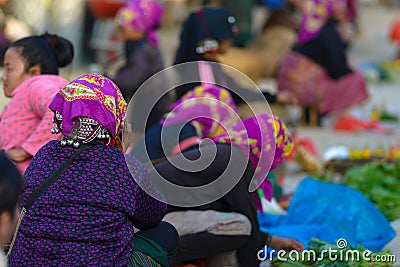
(205, 24)
(11, 185)
(49, 51)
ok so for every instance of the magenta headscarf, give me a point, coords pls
(351, 14)
(141, 15)
(213, 107)
(94, 96)
(265, 139)
(315, 14)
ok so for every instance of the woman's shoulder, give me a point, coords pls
(98, 154)
(112, 155)
(134, 164)
(45, 154)
(52, 145)
(47, 80)
(151, 48)
(43, 83)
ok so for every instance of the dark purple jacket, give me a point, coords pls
(86, 217)
(143, 60)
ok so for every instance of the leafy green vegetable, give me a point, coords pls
(384, 116)
(381, 184)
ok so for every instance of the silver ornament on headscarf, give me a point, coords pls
(84, 130)
(57, 123)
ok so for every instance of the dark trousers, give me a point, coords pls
(200, 245)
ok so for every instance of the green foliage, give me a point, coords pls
(381, 184)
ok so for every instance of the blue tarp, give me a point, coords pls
(274, 4)
(328, 212)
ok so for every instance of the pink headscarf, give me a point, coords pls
(315, 14)
(141, 15)
(265, 139)
(94, 96)
(213, 107)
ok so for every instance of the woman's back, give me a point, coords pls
(328, 50)
(86, 216)
(142, 61)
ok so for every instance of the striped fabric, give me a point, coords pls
(139, 259)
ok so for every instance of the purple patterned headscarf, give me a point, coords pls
(213, 107)
(315, 14)
(265, 139)
(93, 96)
(141, 15)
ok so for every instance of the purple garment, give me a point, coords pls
(143, 60)
(141, 15)
(266, 140)
(255, 137)
(213, 107)
(352, 13)
(86, 217)
(315, 14)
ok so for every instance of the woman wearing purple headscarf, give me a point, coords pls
(261, 141)
(205, 34)
(203, 112)
(317, 70)
(137, 22)
(87, 217)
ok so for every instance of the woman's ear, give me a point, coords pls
(35, 70)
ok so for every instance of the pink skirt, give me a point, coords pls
(314, 88)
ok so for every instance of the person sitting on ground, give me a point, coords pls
(261, 143)
(30, 79)
(137, 22)
(89, 215)
(207, 33)
(317, 70)
(203, 112)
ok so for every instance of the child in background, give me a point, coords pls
(10, 189)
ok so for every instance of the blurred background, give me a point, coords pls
(267, 31)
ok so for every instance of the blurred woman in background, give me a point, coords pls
(317, 70)
(31, 80)
(205, 34)
(137, 23)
